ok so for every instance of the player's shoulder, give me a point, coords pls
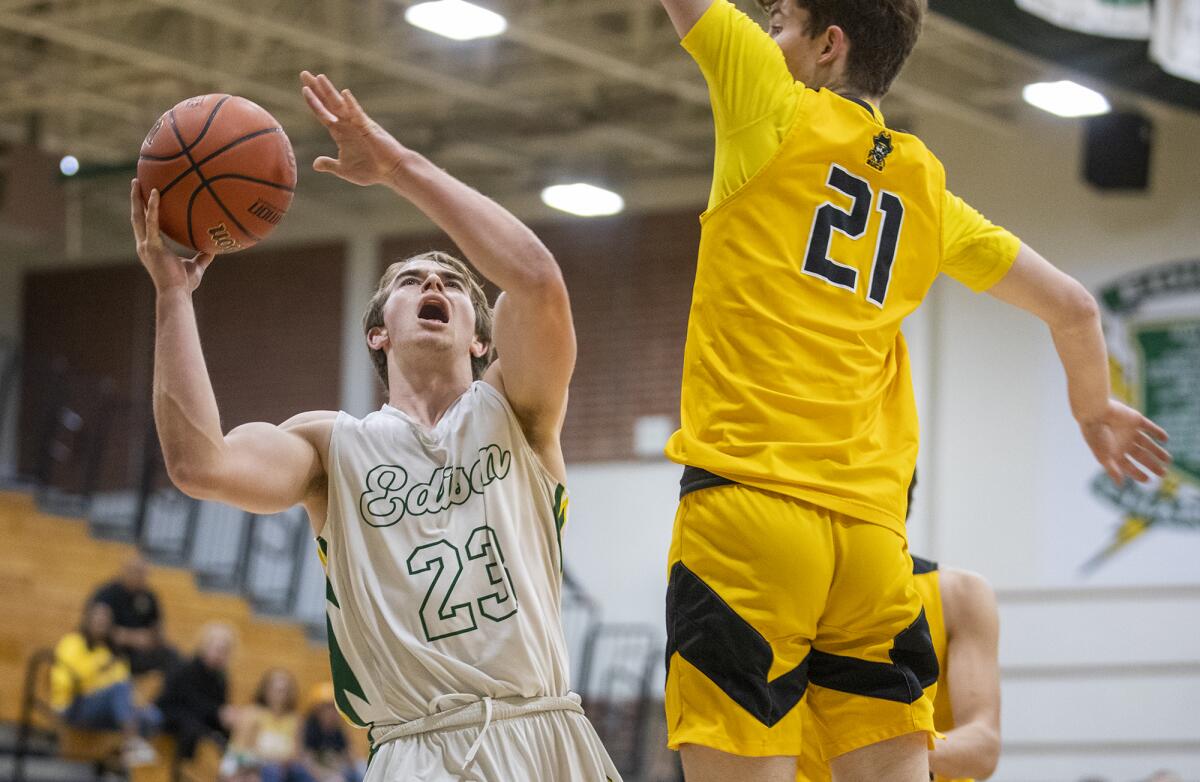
(315, 426)
(965, 590)
(312, 418)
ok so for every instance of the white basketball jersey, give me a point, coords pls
(443, 560)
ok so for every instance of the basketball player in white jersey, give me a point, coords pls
(439, 516)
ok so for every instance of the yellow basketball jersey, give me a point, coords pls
(796, 376)
(926, 581)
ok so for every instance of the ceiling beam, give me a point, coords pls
(542, 42)
(152, 60)
(379, 61)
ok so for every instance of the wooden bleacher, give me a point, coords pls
(54, 565)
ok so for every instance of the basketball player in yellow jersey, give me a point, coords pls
(789, 573)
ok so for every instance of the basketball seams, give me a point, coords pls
(255, 180)
(226, 151)
(196, 166)
(184, 148)
(203, 183)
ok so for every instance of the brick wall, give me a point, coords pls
(270, 324)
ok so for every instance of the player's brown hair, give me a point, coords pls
(882, 34)
(373, 317)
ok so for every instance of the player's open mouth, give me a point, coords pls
(434, 310)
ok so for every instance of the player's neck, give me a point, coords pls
(846, 91)
(425, 393)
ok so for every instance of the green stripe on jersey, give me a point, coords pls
(344, 680)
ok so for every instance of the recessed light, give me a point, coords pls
(582, 199)
(456, 19)
(1066, 99)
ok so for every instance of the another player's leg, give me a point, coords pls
(902, 759)
(704, 764)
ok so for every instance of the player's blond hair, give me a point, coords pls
(373, 317)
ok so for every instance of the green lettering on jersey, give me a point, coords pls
(388, 497)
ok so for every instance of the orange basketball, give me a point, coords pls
(224, 170)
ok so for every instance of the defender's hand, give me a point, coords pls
(1120, 435)
(367, 154)
(167, 270)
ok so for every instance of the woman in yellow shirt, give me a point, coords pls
(267, 736)
(91, 688)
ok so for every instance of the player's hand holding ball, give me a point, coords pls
(367, 154)
(167, 270)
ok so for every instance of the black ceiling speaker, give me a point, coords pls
(1117, 151)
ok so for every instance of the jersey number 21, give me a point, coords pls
(830, 218)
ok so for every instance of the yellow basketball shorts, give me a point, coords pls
(772, 600)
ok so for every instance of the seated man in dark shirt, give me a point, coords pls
(194, 696)
(137, 624)
(326, 752)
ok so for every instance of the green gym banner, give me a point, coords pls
(1152, 325)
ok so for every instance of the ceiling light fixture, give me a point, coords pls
(456, 19)
(582, 199)
(69, 165)
(1066, 99)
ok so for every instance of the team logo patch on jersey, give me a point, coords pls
(1152, 324)
(883, 147)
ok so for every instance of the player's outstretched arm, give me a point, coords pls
(1118, 435)
(972, 748)
(685, 13)
(533, 331)
(258, 467)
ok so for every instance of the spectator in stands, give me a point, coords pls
(90, 686)
(138, 624)
(325, 750)
(1164, 776)
(266, 737)
(194, 697)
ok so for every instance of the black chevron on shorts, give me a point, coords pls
(914, 667)
(711, 636)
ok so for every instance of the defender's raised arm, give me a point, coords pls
(685, 13)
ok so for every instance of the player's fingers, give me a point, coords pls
(152, 233)
(354, 112)
(1132, 470)
(1114, 474)
(1154, 430)
(1148, 460)
(1153, 445)
(352, 103)
(318, 108)
(326, 165)
(137, 215)
(202, 260)
(329, 94)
